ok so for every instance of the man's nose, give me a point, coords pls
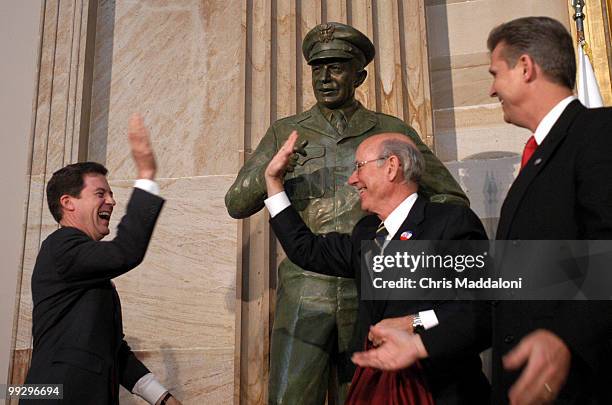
(352, 181)
(492, 92)
(325, 76)
(110, 200)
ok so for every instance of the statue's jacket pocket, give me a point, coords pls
(310, 176)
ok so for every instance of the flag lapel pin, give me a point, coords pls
(406, 235)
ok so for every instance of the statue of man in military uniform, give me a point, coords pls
(315, 314)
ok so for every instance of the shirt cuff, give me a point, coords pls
(147, 185)
(429, 319)
(277, 203)
(148, 388)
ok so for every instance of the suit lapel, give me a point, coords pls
(413, 221)
(412, 224)
(538, 161)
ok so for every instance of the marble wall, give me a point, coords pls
(209, 77)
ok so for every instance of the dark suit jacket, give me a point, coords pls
(563, 193)
(453, 370)
(77, 328)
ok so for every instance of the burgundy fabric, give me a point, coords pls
(530, 148)
(376, 387)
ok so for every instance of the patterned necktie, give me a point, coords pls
(530, 148)
(381, 235)
(338, 121)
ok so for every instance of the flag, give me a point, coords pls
(588, 90)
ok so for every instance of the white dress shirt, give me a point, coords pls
(147, 185)
(550, 119)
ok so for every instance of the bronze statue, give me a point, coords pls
(315, 314)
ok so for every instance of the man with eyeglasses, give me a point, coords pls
(315, 314)
(386, 173)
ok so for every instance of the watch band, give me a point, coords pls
(417, 324)
(166, 398)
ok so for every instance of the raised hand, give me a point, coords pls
(285, 158)
(142, 151)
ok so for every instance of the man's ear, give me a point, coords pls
(394, 168)
(361, 76)
(67, 203)
(528, 67)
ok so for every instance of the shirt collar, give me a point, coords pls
(549, 119)
(348, 111)
(399, 215)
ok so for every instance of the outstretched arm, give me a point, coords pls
(327, 254)
(80, 258)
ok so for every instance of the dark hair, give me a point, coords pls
(69, 180)
(545, 40)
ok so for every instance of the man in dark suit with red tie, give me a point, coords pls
(552, 350)
(76, 320)
(563, 192)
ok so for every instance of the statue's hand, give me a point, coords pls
(275, 172)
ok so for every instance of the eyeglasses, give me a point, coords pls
(359, 165)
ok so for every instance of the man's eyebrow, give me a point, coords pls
(104, 190)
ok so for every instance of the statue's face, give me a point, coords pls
(334, 81)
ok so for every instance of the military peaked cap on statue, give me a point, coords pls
(336, 40)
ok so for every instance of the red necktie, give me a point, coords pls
(530, 147)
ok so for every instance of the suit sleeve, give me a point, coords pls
(326, 254)
(79, 258)
(130, 368)
(468, 322)
(247, 194)
(586, 327)
(594, 182)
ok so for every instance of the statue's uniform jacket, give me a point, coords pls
(318, 187)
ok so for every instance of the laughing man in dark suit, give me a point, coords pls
(387, 170)
(77, 328)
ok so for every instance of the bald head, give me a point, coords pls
(396, 144)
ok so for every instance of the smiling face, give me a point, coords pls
(92, 210)
(334, 81)
(369, 179)
(508, 86)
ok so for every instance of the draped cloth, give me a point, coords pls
(377, 387)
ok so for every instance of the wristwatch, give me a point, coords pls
(417, 324)
(166, 398)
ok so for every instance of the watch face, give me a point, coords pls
(417, 324)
